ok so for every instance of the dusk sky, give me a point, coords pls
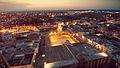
(58, 4)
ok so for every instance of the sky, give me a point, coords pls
(11, 5)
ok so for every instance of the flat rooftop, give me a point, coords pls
(23, 59)
(57, 56)
(19, 56)
(85, 51)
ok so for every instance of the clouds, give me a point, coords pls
(6, 5)
(97, 4)
(58, 4)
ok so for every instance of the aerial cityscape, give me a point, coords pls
(59, 34)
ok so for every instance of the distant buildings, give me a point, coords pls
(83, 39)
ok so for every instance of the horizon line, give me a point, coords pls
(58, 10)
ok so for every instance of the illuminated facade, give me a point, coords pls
(59, 29)
(60, 37)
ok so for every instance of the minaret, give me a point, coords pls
(59, 29)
